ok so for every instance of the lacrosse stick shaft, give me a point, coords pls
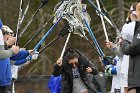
(94, 49)
(25, 12)
(64, 48)
(49, 44)
(46, 35)
(13, 86)
(94, 39)
(116, 28)
(94, 6)
(102, 20)
(32, 18)
(63, 32)
(38, 32)
(19, 21)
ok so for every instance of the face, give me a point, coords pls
(133, 16)
(138, 11)
(7, 36)
(73, 62)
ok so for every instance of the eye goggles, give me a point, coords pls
(76, 63)
(8, 33)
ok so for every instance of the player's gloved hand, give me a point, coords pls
(110, 70)
(35, 55)
(29, 58)
(107, 60)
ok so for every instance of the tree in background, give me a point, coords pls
(44, 65)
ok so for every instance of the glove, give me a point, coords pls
(29, 58)
(109, 60)
(35, 55)
(110, 70)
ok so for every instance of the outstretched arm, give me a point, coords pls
(21, 55)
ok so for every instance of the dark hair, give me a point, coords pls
(133, 9)
(71, 54)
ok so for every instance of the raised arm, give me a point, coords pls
(57, 68)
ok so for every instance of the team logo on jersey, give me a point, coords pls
(75, 74)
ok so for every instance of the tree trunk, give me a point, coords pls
(121, 12)
(43, 55)
(5, 12)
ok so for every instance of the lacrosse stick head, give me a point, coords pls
(78, 14)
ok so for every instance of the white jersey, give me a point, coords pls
(116, 80)
(1, 38)
(127, 33)
(120, 80)
(78, 84)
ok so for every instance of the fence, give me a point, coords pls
(33, 84)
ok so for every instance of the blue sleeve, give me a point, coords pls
(54, 84)
(21, 55)
(0, 24)
(19, 62)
